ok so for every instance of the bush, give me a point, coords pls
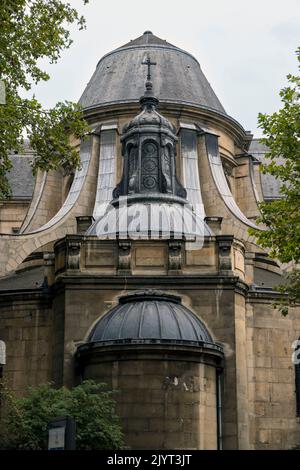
(25, 420)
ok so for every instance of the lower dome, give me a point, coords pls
(150, 316)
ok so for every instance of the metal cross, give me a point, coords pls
(149, 63)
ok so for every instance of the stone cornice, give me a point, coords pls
(192, 111)
(190, 282)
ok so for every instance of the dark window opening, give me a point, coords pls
(297, 377)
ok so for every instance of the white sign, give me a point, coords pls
(56, 439)
(2, 353)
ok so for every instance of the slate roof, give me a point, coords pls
(270, 184)
(177, 77)
(148, 38)
(20, 177)
(29, 279)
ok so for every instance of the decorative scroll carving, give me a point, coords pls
(175, 256)
(225, 245)
(73, 254)
(124, 258)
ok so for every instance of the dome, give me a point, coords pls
(150, 219)
(119, 76)
(148, 118)
(150, 316)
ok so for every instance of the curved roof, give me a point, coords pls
(177, 77)
(150, 315)
(150, 219)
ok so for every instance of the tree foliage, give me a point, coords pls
(281, 134)
(32, 30)
(25, 420)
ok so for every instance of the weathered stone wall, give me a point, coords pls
(47, 204)
(271, 375)
(15, 249)
(258, 403)
(217, 306)
(58, 338)
(258, 408)
(215, 300)
(26, 328)
(163, 404)
(12, 214)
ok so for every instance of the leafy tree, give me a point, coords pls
(281, 134)
(32, 30)
(24, 424)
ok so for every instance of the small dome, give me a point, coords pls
(149, 118)
(150, 316)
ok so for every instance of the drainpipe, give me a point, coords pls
(219, 372)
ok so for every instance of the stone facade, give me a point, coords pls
(173, 406)
(58, 280)
(12, 215)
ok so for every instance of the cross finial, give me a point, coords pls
(149, 63)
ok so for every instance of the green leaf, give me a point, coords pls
(25, 420)
(281, 134)
(32, 30)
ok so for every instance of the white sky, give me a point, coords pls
(245, 48)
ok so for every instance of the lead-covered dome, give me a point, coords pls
(149, 118)
(149, 219)
(178, 78)
(150, 316)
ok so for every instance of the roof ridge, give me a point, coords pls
(147, 38)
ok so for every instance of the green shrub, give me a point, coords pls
(24, 422)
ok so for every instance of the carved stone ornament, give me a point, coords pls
(73, 256)
(124, 256)
(175, 256)
(225, 245)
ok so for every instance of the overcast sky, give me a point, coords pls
(245, 48)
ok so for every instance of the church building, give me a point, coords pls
(138, 269)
